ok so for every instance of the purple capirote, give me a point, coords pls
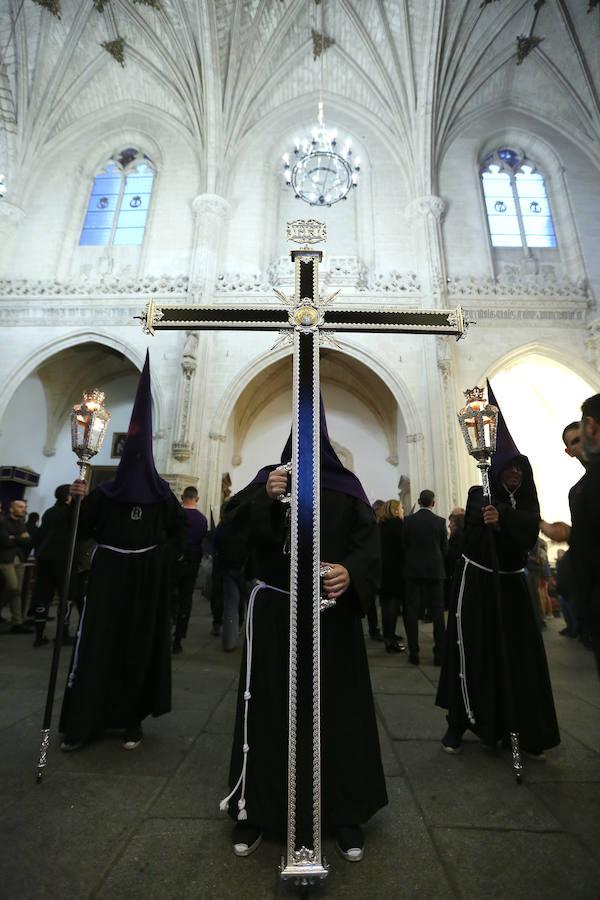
(137, 480)
(334, 475)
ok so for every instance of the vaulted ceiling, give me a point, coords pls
(417, 71)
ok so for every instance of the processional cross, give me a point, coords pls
(305, 317)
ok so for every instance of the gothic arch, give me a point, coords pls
(224, 410)
(42, 354)
(551, 352)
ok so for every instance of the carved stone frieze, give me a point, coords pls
(345, 270)
(102, 287)
(518, 286)
(236, 283)
(390, 283)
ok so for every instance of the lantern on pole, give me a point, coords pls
(89, 422)
(478, 422)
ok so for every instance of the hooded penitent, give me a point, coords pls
(137, 480)
(506, 453)
(334, 475)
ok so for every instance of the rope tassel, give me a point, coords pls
(224, 804)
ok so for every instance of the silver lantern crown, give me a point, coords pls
(478, 421)
(89, 421)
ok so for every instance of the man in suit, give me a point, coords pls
(425, 547)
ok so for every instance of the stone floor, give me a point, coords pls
(110, 824)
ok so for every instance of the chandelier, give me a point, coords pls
(320, 174)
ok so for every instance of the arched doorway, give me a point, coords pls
(539, 394)
(365, 423)
(35, 430)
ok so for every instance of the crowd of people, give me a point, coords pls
(482, 579)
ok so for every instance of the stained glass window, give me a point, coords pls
(516, 202)
(119, 201)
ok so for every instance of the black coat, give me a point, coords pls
(391, 539)
(52, 541)
(584, 499)
(121, 666)
(473, 628)
(352, 776)
(425, 545)
(11, 542)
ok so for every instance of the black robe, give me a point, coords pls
(353, 786)
(121, 666)
(484, 681)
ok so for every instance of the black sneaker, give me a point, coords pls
(177, 648)
(452, 741)
(68, 745)
(413, 659)
(376, 635)
(245, 838)
(132, 737)
(350, 842)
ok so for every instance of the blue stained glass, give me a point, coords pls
(131, 236)
(500, 206)
(95, 237)
(127, 196)
(98, 219)
(132, 218)
(506, 240)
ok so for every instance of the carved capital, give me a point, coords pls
(414, 438)
(215, 436)
(422, 207)
(182, 451)
(211, 205)
(49, 451)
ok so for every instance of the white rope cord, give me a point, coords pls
(121, 550)
(224, 804)
(460, 642)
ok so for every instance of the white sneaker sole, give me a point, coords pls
(131, 745)
(453, 751)
(354, 854)
(244, 849)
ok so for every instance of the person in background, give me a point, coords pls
(425, 545)
(33, 528)
(564, 590)
(456, 540)
(15, 545)
(372, 616)
(51, 558)
(186, 568)
(392, 561)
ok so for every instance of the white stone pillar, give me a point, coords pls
(210, 214)
(11, 217)
(593, 342)
(430, 210)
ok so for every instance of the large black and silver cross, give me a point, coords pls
(305, 316)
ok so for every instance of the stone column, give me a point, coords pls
(11, 217)
(210, 213)
(430, 211)
(182, 446)
(593, 342)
